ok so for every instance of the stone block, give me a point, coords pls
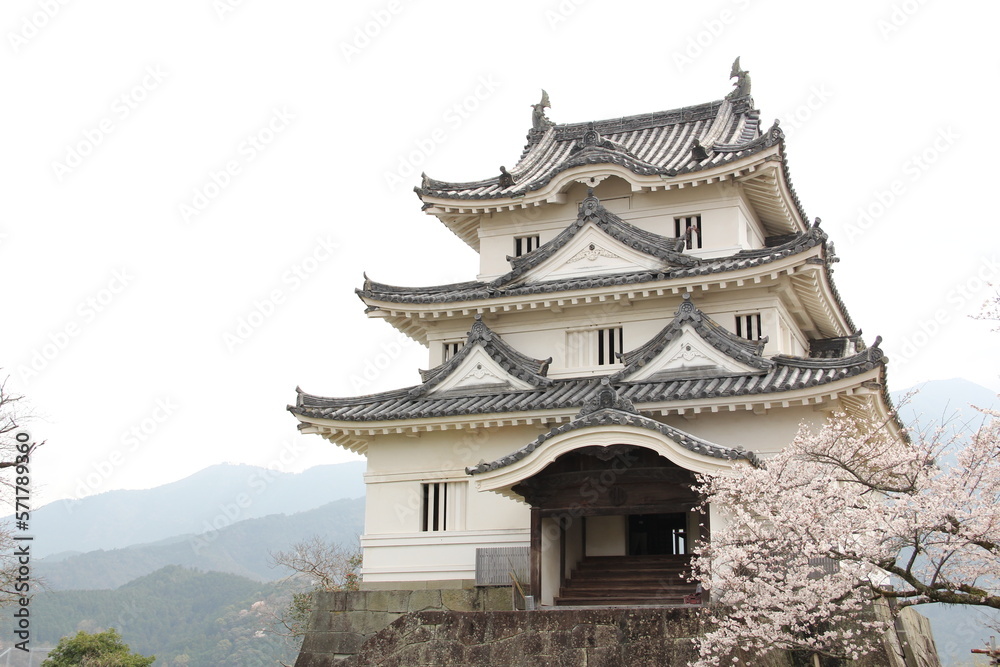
(370, 622)
(606, 656)
(346, 642)
(495, 599)
(329, 600)
(397, 601)
(459, 600)
(476, 655)
(378, 600)
(336, 621)
(465, 628)
(356, 601)
(504, 624)
(422, 600)
(637, 626)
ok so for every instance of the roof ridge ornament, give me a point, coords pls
(593, 139)
(589, 206)
(506, 178)
(606, 398)
(687, 305)
(698, 152)
(539, 121)
(875, 354)
(742, 85)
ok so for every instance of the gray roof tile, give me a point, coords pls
(676, 264)
(785, 374)
(605, 407)
(648, 144)
(740, 349)
(520, 366)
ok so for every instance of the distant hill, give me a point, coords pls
(240, 549)
(214, 498)
(215, 619)
(943, 400)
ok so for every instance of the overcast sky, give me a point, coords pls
(192, 190)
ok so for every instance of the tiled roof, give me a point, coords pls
(476, 290)
(670, 143)
(606, 408)
(786, 374)
(675, 263)
(738, 348)
(667, 249)
(518, 365)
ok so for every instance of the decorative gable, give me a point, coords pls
(598, 242)
(484, 362)
(689, 355)
(479, 371)
(691, 346)
(592, 252)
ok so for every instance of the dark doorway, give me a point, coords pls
(657, 534)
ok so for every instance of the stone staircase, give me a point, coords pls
(627, 580)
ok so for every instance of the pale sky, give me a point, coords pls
(193, 189)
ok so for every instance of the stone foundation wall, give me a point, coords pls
(471, 627)
(544, 638)
(342, 621)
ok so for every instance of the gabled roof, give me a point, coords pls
(667, 250)
(746, 354)
(499, 366)
(667, 143)
(605, 407)
(652, 244)
(786, 374)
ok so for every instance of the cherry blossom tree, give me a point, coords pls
(991, 308)
(841, 521)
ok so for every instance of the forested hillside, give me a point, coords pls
(183, 616)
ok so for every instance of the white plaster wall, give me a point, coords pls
(398, 465)
(441, 556)
(728, 222)
(543, 333)
(765, 434)
(550, 561)
(607, 535)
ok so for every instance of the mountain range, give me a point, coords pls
(212, 499)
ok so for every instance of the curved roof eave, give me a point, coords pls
(462, 216)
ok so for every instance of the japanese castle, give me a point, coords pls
(652, 303)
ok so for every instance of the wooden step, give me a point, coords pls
(628, 580)
(569, 601)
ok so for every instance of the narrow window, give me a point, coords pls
(524, 244)
(450, 350)
(609, 343)
(748, 326)
(689, 228)
(435, 515)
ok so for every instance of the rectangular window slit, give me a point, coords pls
(525, 244)
(450, 350)
(609, 345)
(748, 326)
(689, 228)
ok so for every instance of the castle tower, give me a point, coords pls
(652, 303)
